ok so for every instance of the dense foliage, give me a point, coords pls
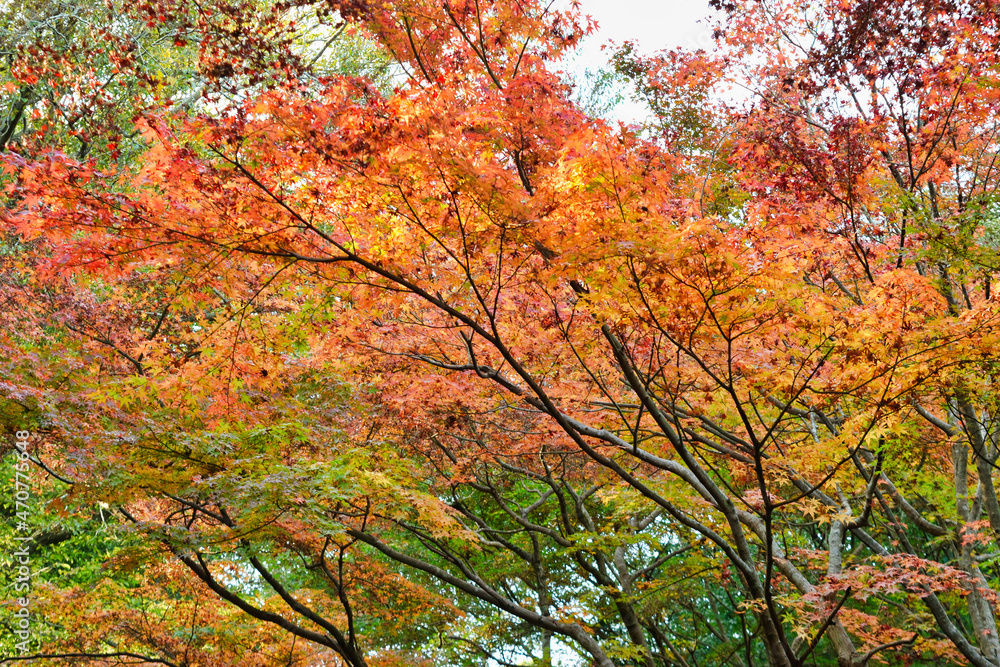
(403, 359)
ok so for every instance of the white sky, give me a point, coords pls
(653, 25)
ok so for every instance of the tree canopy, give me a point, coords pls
(345, 336)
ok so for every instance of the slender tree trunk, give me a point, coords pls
(847, 655)
(626, 610)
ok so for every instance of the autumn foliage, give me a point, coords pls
(454, 373)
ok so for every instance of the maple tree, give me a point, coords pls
(454, 372)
